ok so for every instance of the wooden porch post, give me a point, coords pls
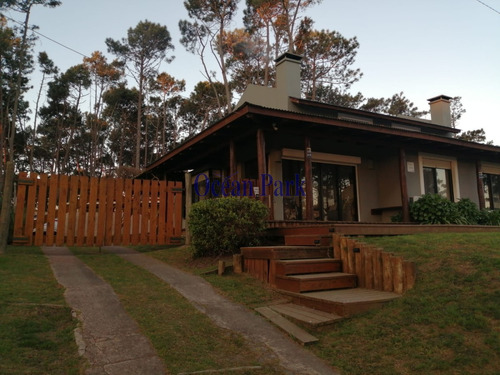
(308, 177)
(405, 208)
(480, 186)
(232, 161)
(261, 162)
(189, 202)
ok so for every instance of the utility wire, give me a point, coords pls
(46, 37)
(486, 5)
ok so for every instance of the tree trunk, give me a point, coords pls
(6, 205)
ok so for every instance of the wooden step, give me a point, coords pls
(343, 302)
(315, 281)
(306, 315)
(308, 240)
(302, 336)
(303, 266)
(284, 252)
(314, 229)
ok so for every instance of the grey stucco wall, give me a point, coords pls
(467, 180)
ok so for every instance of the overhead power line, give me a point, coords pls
(46, 37)
(486, 5)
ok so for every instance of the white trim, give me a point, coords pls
(490, 168)
(320, 157)
(440, 161)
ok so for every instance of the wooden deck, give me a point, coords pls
(371, 229)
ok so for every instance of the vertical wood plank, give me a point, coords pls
(344, 255)
(351, 260)
(336, 246)
(91, 218)
(146, 184)
(387, 272)
(118, 219)
(170, 211)
(101, 211)
(52, 209)
(74, 182)
(30, 210)
(41, 207)
(110, 205)
(360, 264)
(136, 214)
(368, 267)
(62, 208)
(82, 210)
(397, 274)
(127, 212)
(153, 230)
(378, 279)
(409, 275)
(162, 213)
(178, 209)
(21, 205)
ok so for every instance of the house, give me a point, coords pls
(314, 161)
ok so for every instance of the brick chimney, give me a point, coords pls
(441, 110)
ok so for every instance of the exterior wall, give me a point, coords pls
(368, 190)
(468, 180)
(413, 175)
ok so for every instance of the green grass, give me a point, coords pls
(448, 324)
(36, 326)
(184, 338)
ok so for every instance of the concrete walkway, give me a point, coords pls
(226, 314)
(109, 338)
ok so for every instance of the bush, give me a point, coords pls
(487, 217)
(221, 226)
(434, 209)
(468, 211)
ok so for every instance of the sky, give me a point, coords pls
(423, 48)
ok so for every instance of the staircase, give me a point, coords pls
(306, 270)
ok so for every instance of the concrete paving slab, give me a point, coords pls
(108, 337)
(226, 314)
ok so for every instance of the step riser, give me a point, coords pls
(343, 309)
(311, 253)
(298, 286)
(297, 269)
(320, 230)
(307, 241)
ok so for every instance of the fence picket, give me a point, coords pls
(51, 210)
(61, 210)
(40, 214)
(82, 210)
(117, 233)
(73, 200)
(127, 212)
(91, 227)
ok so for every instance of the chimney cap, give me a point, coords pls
(439, 97)
(288, 55)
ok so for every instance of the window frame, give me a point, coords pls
(440, 162)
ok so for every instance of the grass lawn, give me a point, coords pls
(184, 338)
(448, 324)
(36, 326)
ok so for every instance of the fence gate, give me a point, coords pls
(78, 210)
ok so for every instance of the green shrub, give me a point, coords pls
(487, 217)
(468, 211)
(434, 209)
(222, 226)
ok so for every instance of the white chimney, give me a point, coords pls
(441, 110)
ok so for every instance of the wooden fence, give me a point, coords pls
(375, 268)
(77, 210)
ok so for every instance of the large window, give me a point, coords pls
(438, 181)
(439, 175)
(491, 184)
(334, 192)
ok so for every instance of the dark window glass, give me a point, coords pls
(438, 181)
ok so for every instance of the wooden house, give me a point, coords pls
(314, 161)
